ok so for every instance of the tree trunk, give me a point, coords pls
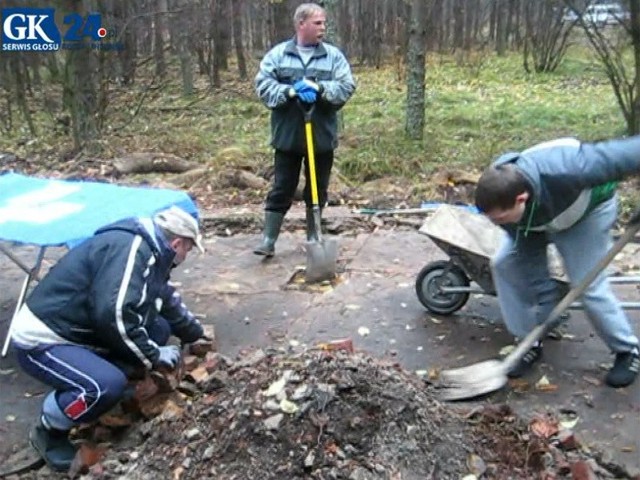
(633, 124)
(501, 27)
(20, 89)
(221, 35)
(458, 23)
(158, 36)
(238, 7)
(414, 127)
(281, 15)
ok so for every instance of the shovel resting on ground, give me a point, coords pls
(321, 254)
(490, 375)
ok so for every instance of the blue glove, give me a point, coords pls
(169, 356)
(305, 91)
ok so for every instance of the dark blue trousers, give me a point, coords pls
(287, 174)
(85, 384)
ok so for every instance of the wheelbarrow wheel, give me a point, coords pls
(441, 274)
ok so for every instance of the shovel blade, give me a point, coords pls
(322, 257)
(473, 380)
(473, 373)
(462, 391)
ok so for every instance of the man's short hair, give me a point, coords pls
(304, 11)
(499, 186)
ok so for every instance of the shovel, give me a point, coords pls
(321, 254)
(491, 375)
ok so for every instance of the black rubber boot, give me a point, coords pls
(53, 446)
(272, 224)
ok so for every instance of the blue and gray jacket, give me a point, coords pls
(568, 179)
(280, 68)
(104, 293)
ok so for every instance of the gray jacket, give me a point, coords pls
(569, 178)
(280, 68)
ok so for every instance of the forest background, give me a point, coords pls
(443, 86)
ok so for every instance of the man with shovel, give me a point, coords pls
(103, 311)
(303, 72)
(564, 192)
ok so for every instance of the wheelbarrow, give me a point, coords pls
(470, 241)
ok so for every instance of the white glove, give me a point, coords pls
(169, 356)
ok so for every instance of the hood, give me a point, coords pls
(525, 166)
(147, 230)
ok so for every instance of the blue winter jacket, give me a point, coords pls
(280, 68)
(104, 292)
(568, 179)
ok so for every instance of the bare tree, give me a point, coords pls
(611, 43)
(546, 35)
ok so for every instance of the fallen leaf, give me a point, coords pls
(544, 427)
(363, 331)
(591, 380)
(476, 464)
(569, 424)
(276, 387)
(519, 384)
(287, 406)
(544, 385)
(504, 351)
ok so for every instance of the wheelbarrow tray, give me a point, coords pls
(469, 239)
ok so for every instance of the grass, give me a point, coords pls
(476, 108)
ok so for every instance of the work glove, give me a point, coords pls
(307, 90)
(169, 356)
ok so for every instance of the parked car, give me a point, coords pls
(570, 16)
(605, 14)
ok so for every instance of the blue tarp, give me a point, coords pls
(50, 212)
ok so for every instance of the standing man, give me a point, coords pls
(303, 72)
(563, 191)
(106, 308)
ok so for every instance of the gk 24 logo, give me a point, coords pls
(35, 29)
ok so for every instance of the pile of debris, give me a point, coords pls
(324, 412)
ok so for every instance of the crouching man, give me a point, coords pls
(106, 308)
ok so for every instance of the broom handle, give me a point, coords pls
(573, 294)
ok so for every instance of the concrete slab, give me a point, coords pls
(252, 303)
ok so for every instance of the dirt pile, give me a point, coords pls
(331, 415)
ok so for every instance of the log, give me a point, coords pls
(148, 162)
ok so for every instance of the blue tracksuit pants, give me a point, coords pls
(85, 384)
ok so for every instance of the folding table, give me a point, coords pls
(50, 212)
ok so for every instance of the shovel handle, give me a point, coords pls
(307, 112)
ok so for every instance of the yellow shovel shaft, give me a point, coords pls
(312, 163)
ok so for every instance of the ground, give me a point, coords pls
(259, 304)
